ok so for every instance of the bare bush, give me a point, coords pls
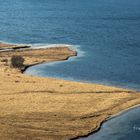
(17, 61)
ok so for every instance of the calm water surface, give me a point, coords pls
(105, 32)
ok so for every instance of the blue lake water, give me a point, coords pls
(106, 33)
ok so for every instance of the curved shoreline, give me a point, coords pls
(106, 120)
(71, 108)
(28, 66)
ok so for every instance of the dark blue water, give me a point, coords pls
(106, 33)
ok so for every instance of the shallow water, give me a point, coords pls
(106, 33)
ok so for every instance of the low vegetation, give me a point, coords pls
(17, 61)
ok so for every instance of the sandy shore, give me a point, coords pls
(36, 108)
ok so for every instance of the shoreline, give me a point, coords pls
(28, 66)
(108, 119)
(71, 108)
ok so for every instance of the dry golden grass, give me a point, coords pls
(33, 108)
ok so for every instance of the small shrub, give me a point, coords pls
(17, 61)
